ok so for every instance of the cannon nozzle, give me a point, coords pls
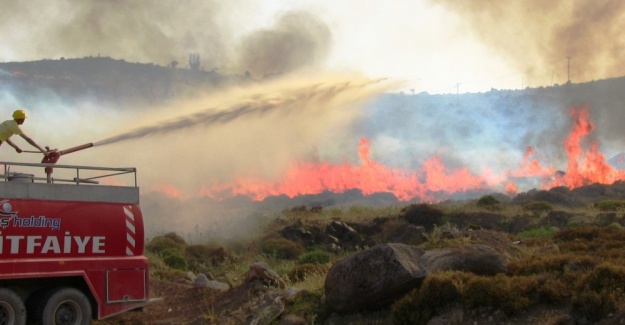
(76, 148)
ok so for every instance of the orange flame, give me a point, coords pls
(370, 177)
(433, 178)
(169, 190)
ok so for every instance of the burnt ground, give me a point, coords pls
(180, 304)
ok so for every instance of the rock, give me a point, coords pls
(216, 285)
(182, 280)
(449, 315)
(565, 319)
(291, 293)
(333, 248)
(261, 309)
(373, 278)
(260, 271)
(201, 281)
(291, 319)
(412, 235)
(340, 230)
(334, 319)
(297, 233)
(476, 258)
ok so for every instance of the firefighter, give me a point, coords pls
(11, 127)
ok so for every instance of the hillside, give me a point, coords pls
(107, 80)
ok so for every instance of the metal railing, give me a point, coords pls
(81, 174)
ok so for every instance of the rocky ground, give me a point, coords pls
(262, 297)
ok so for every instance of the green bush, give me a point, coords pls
(174, 258)
(542, 232)
(487, 201)
(610, 205)
(315, 257)
(163, 242)
(282, 248)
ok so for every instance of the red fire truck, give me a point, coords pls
(71, 248)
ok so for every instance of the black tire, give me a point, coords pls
(64, 306)
(12, 310)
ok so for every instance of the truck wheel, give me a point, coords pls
(12, 310)
(66, 306)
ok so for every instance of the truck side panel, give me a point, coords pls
(101, 242)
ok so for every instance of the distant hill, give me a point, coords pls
(107, 80)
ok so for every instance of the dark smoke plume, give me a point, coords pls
(298, 39)
(538, 37)
(162, 32)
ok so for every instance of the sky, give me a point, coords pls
(438, 46)
(422, 43)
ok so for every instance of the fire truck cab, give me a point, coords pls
(71, 248)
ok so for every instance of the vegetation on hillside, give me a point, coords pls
(576, 266)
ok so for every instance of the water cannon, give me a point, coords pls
(53, 155)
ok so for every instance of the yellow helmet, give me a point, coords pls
(19, 114)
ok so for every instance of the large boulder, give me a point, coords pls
(474, 258)
(373, 278)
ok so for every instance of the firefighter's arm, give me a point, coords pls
(13, 145)
(33, 143)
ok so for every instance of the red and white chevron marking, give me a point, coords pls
(130, 231)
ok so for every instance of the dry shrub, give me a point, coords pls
(602, 242)
(510, 294)
(202, 255)
(554, 290)
(608, 278)
(551, 263)
(586, 233)
(606, 218)
(391, 228)
(282, 248)
(601, 292)
(424, 215)
(438, 290)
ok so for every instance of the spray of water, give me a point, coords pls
(315, 96)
